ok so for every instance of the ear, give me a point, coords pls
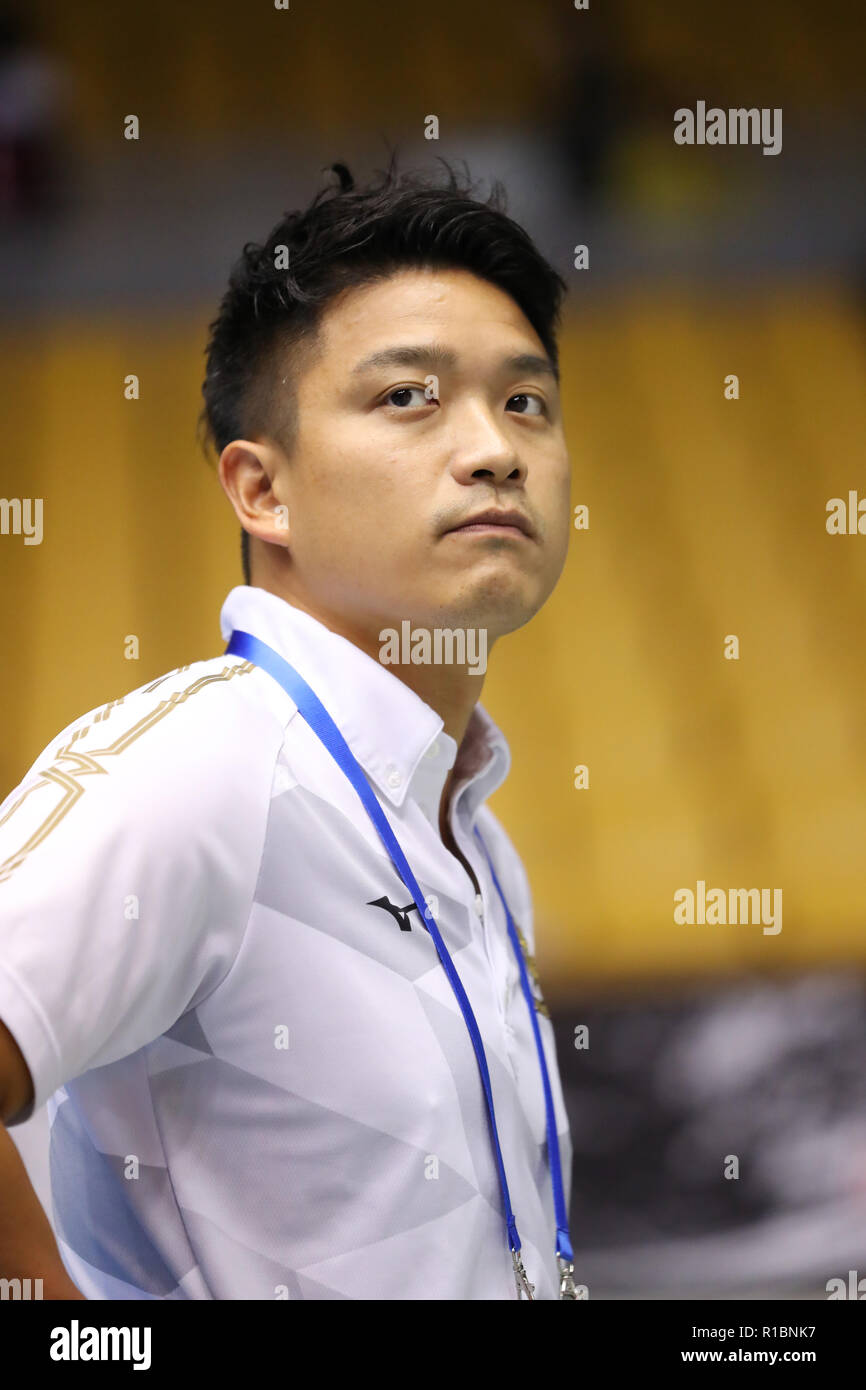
(247, 470)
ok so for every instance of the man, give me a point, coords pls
(261, 1080)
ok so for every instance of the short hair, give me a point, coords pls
(348, 237)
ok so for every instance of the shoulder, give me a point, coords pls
(216, 709)
(196, 745)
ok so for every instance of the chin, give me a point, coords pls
(497, 607)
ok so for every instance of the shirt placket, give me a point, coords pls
(492, 931)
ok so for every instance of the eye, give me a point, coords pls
(401, 397)
(529, 400)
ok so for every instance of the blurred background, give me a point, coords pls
(680, 1044)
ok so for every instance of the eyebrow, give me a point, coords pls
(434, 354)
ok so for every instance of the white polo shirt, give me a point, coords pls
(259, 1081)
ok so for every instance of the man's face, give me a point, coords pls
(386, 463)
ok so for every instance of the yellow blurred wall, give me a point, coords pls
(224, 71)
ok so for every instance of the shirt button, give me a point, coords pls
(433, 750)
(393, 776)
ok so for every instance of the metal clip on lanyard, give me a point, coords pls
(251, 648)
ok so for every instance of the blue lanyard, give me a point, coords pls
(244, 644)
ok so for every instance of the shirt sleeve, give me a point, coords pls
(128, 860)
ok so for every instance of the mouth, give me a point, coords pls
(495, 523)
(488, 529)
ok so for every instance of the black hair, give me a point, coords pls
(348, 237)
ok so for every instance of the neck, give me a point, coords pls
(446, 689)
(449, 689)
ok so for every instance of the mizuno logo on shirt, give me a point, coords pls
(400, 914)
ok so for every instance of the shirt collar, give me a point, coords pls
(397, 738)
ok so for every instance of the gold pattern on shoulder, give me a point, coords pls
(69, 766)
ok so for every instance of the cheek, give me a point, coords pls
(560, 518)
(351, 507)
(345, 459)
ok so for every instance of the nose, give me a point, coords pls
(483, 449)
